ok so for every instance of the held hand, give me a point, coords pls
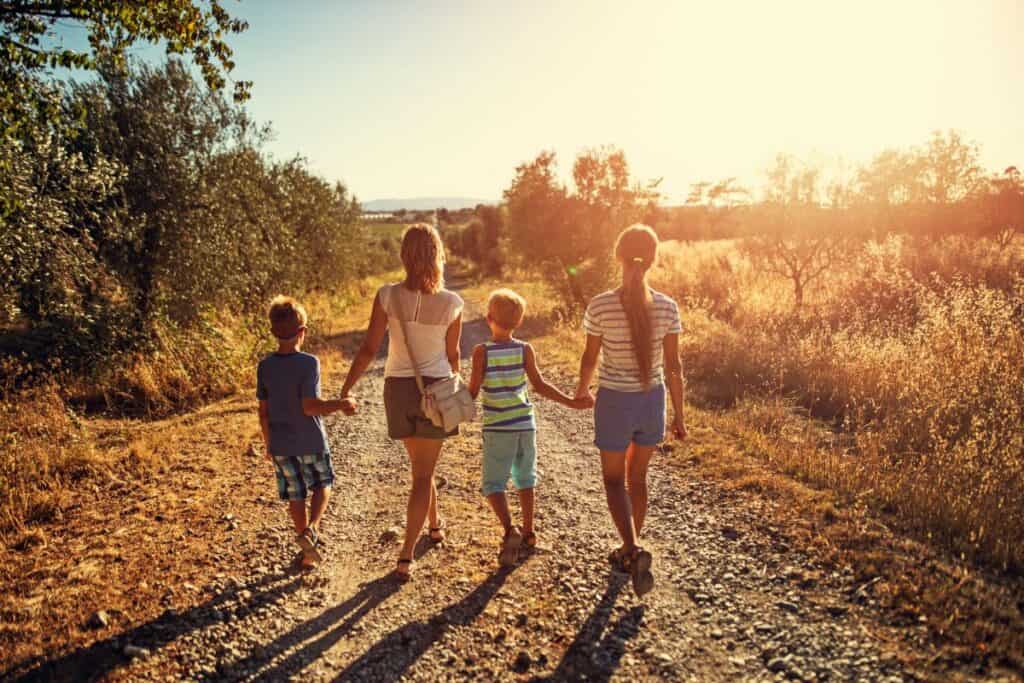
(583, 393)
(679, 428)
(583, 403)
(349, 406)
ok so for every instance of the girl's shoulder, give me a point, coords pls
(660, 298)
(612, 295)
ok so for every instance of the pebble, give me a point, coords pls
(134, 651)
(98, 619)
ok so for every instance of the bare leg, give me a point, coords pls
(527, 503)
(423, 454)
(637, 460)
(317, 506)
(432, 515)
(613, 467)
(499, 503)
(297, 511)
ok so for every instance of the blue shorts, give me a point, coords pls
(622, 417)
(298, 475)
(509, 453)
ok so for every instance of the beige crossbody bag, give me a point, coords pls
(446, 402)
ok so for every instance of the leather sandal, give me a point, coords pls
(510, 547)
(403, 576)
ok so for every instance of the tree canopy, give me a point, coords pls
(29, 48)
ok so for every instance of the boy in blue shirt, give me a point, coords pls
(290, 409)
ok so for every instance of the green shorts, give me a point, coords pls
(509, 454)
(404, 413)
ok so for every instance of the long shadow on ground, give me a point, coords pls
(325, 630)
(594, 654)
(105, 656)
(393, 655)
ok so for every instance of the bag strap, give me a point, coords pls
(397, 296)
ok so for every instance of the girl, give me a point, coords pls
(433, 320)
(635, 330)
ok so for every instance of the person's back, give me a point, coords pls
(284, 379)
(427, 318)
(606, 317)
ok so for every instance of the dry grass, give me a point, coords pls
(916, 363)
(80, 490)
(56, 438)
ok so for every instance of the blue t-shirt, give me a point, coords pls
(283, 380)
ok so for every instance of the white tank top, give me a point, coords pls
(428, 317)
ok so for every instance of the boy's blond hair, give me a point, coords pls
(287, 317)
(506, 308)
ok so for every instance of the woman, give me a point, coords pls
(635, 331)
(433, 320)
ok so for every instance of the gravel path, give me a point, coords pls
(733, 600)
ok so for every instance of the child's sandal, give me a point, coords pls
(436, 533)
(530, 540)
(510, 547)
(308, 541)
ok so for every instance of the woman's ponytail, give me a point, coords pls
(636, 248)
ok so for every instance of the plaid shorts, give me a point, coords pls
(298, 475)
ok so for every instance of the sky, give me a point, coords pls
(412, 99)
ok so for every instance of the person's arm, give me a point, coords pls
(312, 404)
(367, 352)
(264, 411)
(451, 340)
(476, 376)
(541, 386)
(588, 364)
(674, 380)
(311, 407)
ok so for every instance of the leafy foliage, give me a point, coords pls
(158, 208)
(27, 47)
(568, 237)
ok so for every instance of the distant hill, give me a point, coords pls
(424, 203)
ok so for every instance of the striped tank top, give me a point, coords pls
(507, 407)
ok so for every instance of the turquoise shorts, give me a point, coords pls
(509, 454)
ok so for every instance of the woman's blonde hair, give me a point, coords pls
(423, 258)
(636, 249)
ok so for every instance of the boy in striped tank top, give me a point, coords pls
(501, 368)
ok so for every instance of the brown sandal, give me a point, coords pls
(403, 577)
(530, 540)
(617, 559)
(439, 531)
(510, 547)
(638, 564)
